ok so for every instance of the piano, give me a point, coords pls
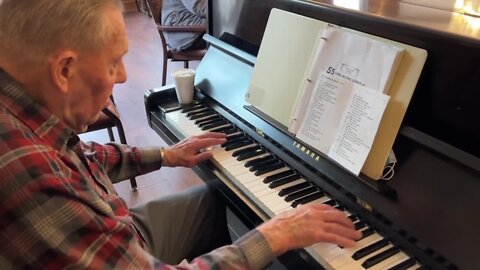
(424, 217)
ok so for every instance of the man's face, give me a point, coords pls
(95, 76)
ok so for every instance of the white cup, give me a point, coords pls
(184, 79)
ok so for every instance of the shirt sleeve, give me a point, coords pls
(122, 161)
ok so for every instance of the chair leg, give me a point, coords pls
(185, 64)
(164, 73)
(110, 134)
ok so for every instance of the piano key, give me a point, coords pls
(192, 108)
(235, 139)
(359, 225)
(268, 168)
(346, 262)
(278, 176)
(403, 265)
(300, 194)
(284, 180)
(195, 112)
(222, 129)
(246, 150)
(208, 120)
(308, 199)
(390, 261)
(251, 154)
(238, 144)
(202, 115)
(369, 249)
(366, 233)
(214, 124)
(382, 256)
(293, 188)
(259, 160)
(263, 163)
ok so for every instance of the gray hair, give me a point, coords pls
(30, 30)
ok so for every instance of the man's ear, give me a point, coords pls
(62, 66)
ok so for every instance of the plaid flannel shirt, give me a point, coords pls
(58, 206)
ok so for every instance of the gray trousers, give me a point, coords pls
(183, 225)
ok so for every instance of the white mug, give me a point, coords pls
(184, 80)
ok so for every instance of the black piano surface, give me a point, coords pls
(429, 207)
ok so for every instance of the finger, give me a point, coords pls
(337, 239)
(342, 231)
(335, 216)
(204, 143)
(201, 157)
(209, 134)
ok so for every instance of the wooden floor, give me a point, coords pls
(144, 67)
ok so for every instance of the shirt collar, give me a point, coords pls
(42, 122)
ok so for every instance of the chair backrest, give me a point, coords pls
(156, 9)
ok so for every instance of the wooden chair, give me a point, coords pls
(108, 119)
(155, 7)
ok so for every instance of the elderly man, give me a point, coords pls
(59, 61)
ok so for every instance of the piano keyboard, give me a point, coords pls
(274, 187)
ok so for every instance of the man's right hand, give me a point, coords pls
(307, 225)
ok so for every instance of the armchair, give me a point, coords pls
(155, 7)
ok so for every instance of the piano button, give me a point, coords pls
(369, 249)
(308, 198)
(259, 160)
(291, 189)
(221, 129)
(277, 176)
(301, 193)
(268, 168)
(368, 263)
(251, 154)
(403, 265)
(209, 120)
(284, 180)
(239, 144)
(246, 150)
(192, 108)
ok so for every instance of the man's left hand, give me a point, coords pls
(191, 151)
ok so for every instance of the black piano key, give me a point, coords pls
(353, 218)
(222, 129)
(369, 249)
(380, 257)
(301, 193)
(231, 130)
(249, 149)
(234, 139)
(202, 115)
(359, 225)
(210, 120)
(307, 199)
(269, 168)
(259, 160)
(292, 189)
(263, 164)
(277, 176)
(366, 233)
(237, 145)
(214, 125)
(193, 108)
(403, 265)
(252, 154)
(195, 112)
(331, 202)
(284, 180)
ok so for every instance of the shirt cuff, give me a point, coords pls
(256, 249)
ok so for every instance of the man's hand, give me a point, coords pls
(307, 225)
(191, 151)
